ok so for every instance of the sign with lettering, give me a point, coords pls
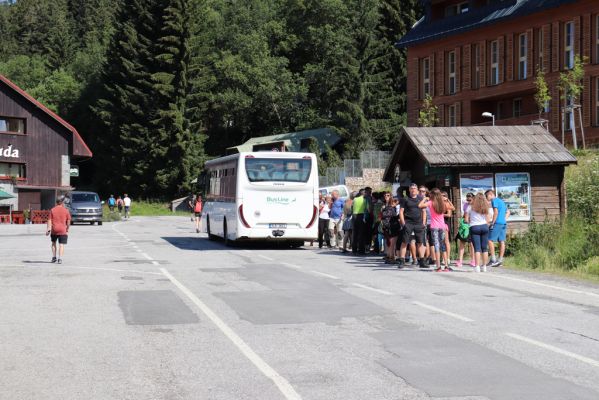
(514, 189)
(9, 152)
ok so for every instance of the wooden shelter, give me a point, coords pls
(523, 164)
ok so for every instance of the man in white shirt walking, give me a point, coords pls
(127, 204)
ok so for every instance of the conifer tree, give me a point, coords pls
(126, 105)
(176, 149)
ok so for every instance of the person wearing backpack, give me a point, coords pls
(197, 210)
(111, 203)
(463, 235)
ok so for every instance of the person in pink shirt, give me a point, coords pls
(437, 208)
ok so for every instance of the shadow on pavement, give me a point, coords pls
(36, 262)
(195, 243)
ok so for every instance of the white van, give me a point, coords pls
(342, 189)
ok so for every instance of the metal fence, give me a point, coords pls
(352, 168)
(375, 159)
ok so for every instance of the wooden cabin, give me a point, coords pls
(37, 151)
(523, 164)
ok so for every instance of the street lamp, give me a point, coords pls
(487, 114)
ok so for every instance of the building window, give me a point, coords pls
(12, 169)
(517, 107)
(541, 49)
(499, 111)
(569, 45)
(476, 66)
(597, 39)
(12, 125)
(456, 9)
(597, 101)
(451, 70)
(426, 77)
(451, 115)
(522, 56)
(494, 63)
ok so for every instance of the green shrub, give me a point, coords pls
(582, 187)
(571, 247)
(591, 267)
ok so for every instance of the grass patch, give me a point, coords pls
(144, 209)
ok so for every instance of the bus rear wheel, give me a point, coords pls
(210, 236)
(225, 234)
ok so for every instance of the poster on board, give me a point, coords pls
(474, 183)
(514, 189)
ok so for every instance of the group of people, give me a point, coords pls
(120, 204)
(415, 228)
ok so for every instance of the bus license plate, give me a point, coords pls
(277, 226)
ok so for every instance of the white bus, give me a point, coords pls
(261, 196)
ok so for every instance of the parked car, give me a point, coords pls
(85, 207)
(342, 189)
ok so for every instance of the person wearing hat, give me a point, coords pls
(58, 228)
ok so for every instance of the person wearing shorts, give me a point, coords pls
(197, 211)
(498, 228)
(411, 217)
(58, 229)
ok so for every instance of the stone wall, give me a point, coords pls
(372, 177)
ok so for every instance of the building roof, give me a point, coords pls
(424, 31)
(80, 149)
(482, 146)
(292, 140)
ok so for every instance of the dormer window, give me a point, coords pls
(456, 9)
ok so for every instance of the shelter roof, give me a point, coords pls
(292, 140)
(481, 146)
(80, 149)
(496, 12)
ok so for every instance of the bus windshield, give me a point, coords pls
(278, 169)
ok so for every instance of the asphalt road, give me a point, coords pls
(147, 309)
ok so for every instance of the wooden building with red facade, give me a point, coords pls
(482, 56)
(37, 149)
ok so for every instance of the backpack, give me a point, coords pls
(463, 229)
(111, 201)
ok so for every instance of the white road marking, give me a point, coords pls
(147, 257)
(291, 265)
(325, 275)
(449, 314)
(155, 263)
(546, 346)
(546, 285)
(266, 258)
(373, 289)
(284, 386)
